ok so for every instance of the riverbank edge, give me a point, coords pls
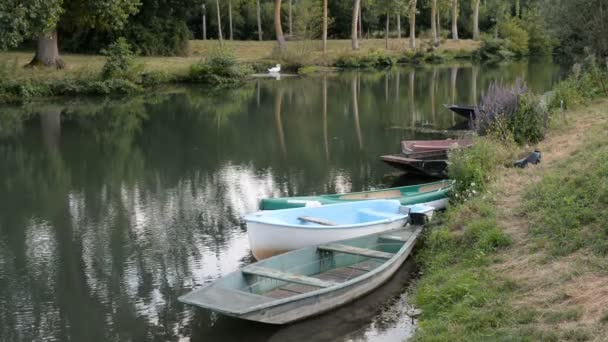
(14, 90)
(481, 265)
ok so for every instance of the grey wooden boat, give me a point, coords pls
(308, 281)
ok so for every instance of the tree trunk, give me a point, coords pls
(47, 52)
(476, 20)
(413, 25)
(324, 26)
(434, 22)
(399, 25)
(204, 24)
(517, 8)
(455, 19)
(354, 35)
(230, 18)
(219, 23)
(290, 19)
(277, 25)
(386, 30)
(356, 110)
(438, 17)
(259, 15)
(360, 22)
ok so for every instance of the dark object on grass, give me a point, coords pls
(532, 158)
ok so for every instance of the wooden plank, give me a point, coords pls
(284, 276)
(433, 187)
(333, 247)
(316, 220)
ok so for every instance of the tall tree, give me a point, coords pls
(277, 25)
(230, 19)
(290, 18)
(219, 23)
(455, 19)
(399, 24)
(40, 19)
(476, 20)
(204, 23)
(434, 21)
(259, 19)
(388, 17)
(354, 36)
(324, 26)
(413, 24)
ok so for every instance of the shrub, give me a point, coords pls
(516, 38)
(160, 36)
(529, 122)
(498, 104)
(219, 68)
(121, 63)
(494, 49)
(373, 59)
(472, 168)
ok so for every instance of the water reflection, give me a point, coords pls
(112, 208)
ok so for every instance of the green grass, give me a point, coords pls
(567, 208)
(459, 297)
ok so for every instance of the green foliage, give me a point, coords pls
(160, 37)
(516, 38)
(474, 167)
(21, 20)
(374, 59)
(529, 123)
(121, 62)
(219, 68)
(494, 49)
(567, 207)
(540, 41)
(586, 82)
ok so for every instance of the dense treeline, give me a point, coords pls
(163, 27)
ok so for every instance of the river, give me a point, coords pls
(111, 208)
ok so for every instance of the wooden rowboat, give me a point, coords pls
(426, 167)
(431, 194)
(467, 112)
(411, 147)
(309, 281)
(279, 231)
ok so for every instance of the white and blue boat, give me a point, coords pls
(279, 231)
(311, 280)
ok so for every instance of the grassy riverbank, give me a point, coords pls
(525, 260)
(83, 73)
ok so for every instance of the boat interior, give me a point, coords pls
(321, 267)
(335, 215)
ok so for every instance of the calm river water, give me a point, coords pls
(112, 208)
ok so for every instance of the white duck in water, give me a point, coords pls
(275, 70)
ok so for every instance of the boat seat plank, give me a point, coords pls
(316, 220)
(333, 247)
(299, 288)
(216, 297)
(284, 276)
(280, 293)
(382, 194)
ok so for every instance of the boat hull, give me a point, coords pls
(431, 194)
(267, 240)
(315, 305)
(423, 167)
